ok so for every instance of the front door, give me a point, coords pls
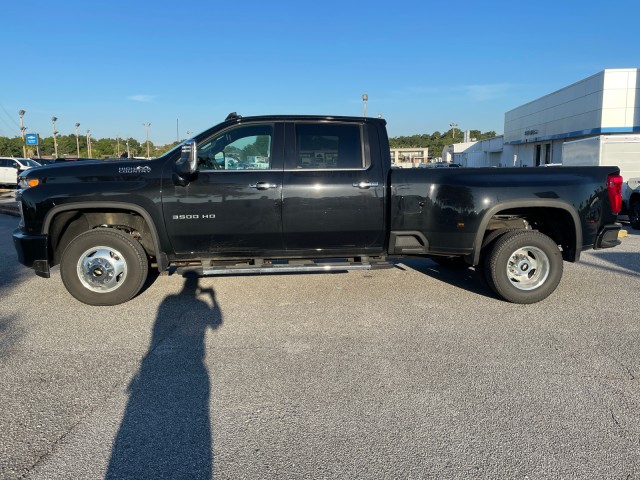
(232, 206)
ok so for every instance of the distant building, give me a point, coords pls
(605, 103)
(409, 157)
(485, 153)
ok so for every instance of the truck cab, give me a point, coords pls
(274, 187)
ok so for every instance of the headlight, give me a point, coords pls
(24, 182)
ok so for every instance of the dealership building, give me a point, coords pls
(607, 103)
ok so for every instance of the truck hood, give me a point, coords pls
(85, 166)
(90, 171)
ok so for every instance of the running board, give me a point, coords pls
(293, 266)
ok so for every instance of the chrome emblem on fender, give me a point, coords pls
(138, 169)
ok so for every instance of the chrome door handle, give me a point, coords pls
(263, 185)
(365, 184)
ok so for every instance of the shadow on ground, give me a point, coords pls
(165, 431)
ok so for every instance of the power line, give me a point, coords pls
(17, 125)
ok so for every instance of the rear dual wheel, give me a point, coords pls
(523, 266)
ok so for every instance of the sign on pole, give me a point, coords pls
(31, 139)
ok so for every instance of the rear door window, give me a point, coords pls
(328, 146)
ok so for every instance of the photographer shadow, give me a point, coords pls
(165, 431)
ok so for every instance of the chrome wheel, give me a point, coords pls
(104, 266)
(102, 269)
(528, 268)
(523, 266)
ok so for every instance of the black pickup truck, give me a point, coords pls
(305, 193)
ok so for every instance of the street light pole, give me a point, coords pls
(89, 143)
(77, 140)
(55, 142)
(365, 97)
(22, 129)
(147, 125)
(453, 125)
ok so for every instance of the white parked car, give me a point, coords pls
(10, 168)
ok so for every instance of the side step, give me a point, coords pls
(282, 266)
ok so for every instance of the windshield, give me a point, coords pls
(29, 163)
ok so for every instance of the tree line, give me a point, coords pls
(114, 147)
(436, 141)
(67, 147)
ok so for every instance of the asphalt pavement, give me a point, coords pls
(411, 372)
(8, 204)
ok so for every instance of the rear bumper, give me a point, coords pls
(608, 236)
(33, 251)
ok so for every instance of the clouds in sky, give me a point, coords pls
(142, 98)
(473, 92)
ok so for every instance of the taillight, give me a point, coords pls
(614, 189)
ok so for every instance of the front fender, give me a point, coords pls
(80, 206)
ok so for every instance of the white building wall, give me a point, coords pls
(608, 102)
(484, 153)
(620, 99)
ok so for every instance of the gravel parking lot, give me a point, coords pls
(411, 372)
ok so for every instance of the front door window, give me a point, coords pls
(244, 148)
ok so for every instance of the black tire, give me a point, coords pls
(634, 215)
(104, 267)
(487, 245)
(494, 234)
(523, 266)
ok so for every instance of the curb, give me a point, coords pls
(10, 210)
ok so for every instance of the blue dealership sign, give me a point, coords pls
(31, 139)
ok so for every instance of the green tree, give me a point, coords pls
(436, 141)
(11, 147)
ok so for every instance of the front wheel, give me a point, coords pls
(634, 215)
(524, 266)
(104, 267)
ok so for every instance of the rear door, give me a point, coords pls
(333, 193)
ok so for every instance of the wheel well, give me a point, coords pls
(635, 197)
(67, 225)
(556, 223)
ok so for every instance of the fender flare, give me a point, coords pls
(541, 203)
(161, 256)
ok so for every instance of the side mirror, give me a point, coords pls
(188, 162)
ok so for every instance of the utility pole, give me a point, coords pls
(89, 143)
(147, 125)
(22, 129)
(55, 142)
(365, 97)
(77, 140)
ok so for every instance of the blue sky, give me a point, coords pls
(114, 65)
